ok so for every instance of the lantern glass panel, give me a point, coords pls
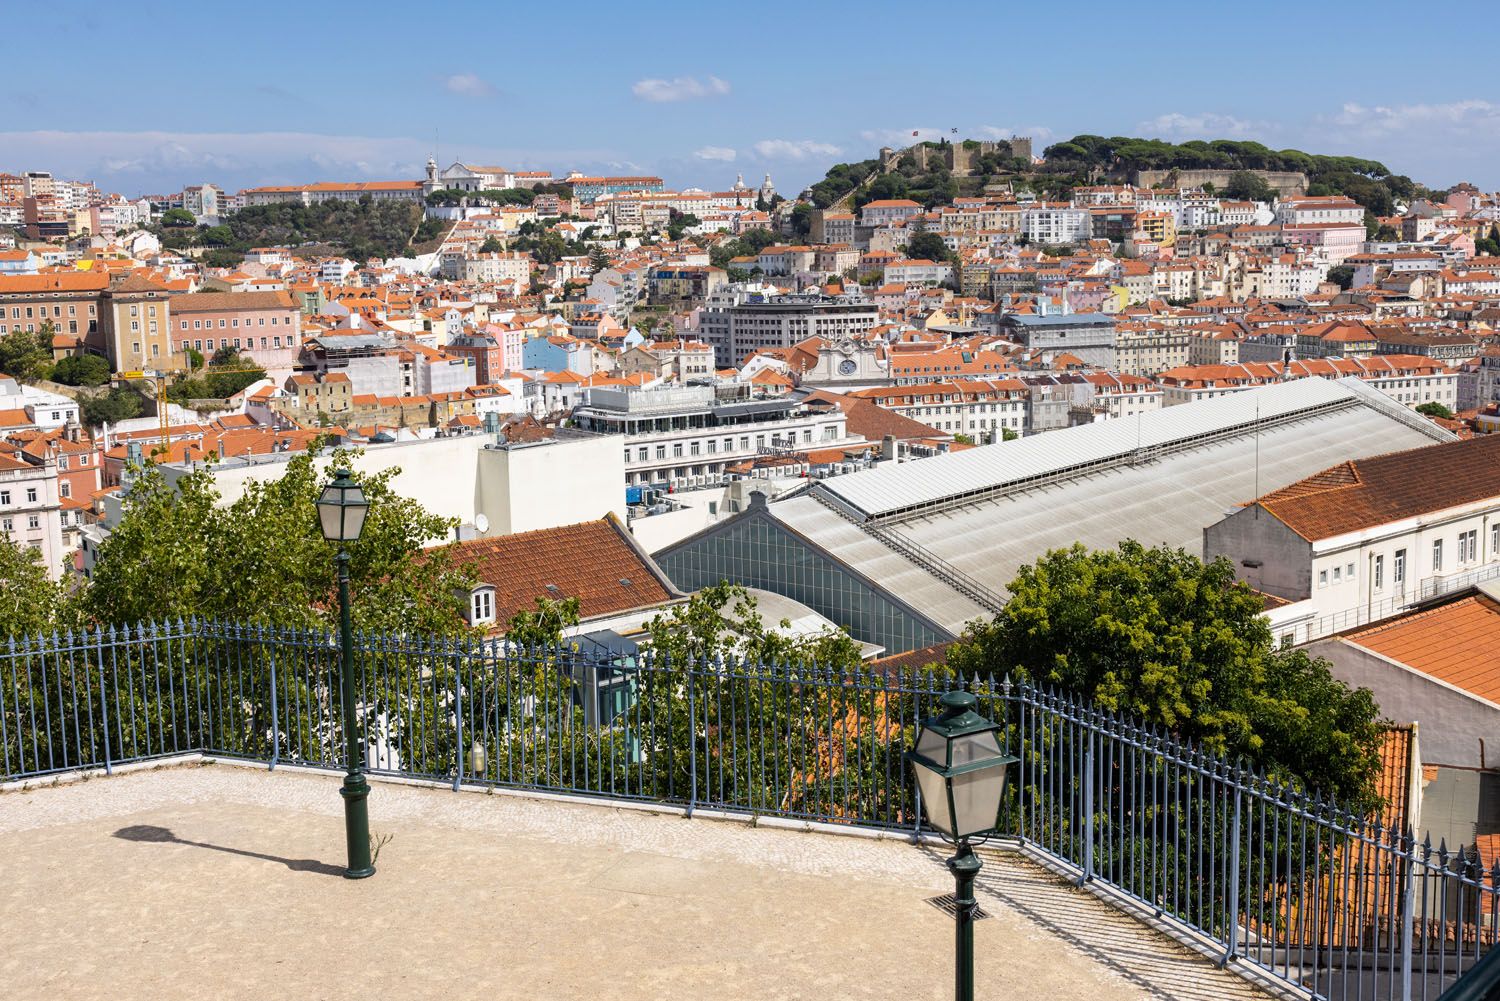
(977, 793)
(355, 509)
(934, 789)
(331, 516)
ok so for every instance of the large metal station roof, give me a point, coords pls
(933, 530)
(893, 491)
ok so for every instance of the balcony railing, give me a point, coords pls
(1332, 903)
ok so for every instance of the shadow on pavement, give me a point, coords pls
(149, 833)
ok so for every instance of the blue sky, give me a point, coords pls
(152, 95)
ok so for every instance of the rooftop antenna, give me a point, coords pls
(1257, 460)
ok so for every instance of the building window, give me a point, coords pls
(482, 606)
(1338, 574)
(31, 495)
(1437, 556)
(66, 488)
(1494, 541)
(32, 521)
(1379, 572)
(1398, 568)
(4, 496)
(1468, 546)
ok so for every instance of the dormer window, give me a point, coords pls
(481, 605)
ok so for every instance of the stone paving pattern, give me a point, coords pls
(504, 896)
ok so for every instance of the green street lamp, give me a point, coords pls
(960, 770)
(341, 515)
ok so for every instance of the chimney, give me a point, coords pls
(221, 448)
(888, 447)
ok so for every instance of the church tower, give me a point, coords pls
(767, 190)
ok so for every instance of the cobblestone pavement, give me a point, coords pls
(219, 881)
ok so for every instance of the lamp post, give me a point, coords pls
(341, 515)
(960, 770)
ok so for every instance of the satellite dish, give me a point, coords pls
(481, 523)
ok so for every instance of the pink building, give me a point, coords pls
(494, 349)
(1338, 240)
(266, 326)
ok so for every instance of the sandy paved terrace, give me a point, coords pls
(503, 896)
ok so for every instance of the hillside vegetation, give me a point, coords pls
(357, 230)
(1086, 159)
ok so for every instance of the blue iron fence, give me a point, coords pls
(1337, 904)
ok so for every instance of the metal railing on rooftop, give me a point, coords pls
(1334, 904)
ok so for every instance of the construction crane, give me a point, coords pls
(159, 385)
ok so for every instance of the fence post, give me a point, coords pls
(275, 712)
(1088, 810)
(1409, 856)
(692, 739)
(458, 716)
(103, 702)
(1233, 916)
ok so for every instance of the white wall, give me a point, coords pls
(518, 488)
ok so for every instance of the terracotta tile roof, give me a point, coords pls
(1454, 642)
(592, 562)
(214, 302)
(1364, 493)
(911, 659)
(72, 281)
(871, 421)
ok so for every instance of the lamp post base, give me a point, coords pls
(356, 792)
(964, 866)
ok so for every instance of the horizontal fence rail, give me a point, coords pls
(1336, 904)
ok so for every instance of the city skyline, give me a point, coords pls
(701, 108)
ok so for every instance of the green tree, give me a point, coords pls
(178, 218)
(27, 354)
(81, 370)
(963, 439)
(598, 260)
(109, 407)
(802, 219)
(261, 558)
(1247, 186)
(1007, 434)
(542, 625)
(1342, 275)
(928, 247)
(491, 245)
(723, 621)
(31, 602)
(1162, 636)
(1435, 409)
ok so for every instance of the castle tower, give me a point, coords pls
(767, 189)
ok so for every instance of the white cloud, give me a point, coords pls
(790, 149)
(1454, 117)
(469, 85)
(1205, 125)
(158, 162)
(724, 154)
(682, 88)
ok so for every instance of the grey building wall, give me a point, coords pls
(1456, 728)
(1251, 535)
